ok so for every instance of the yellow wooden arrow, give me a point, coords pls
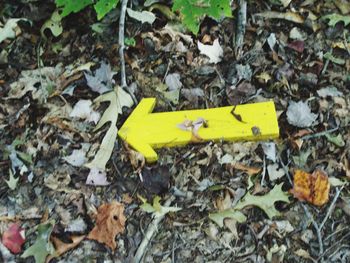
(145, 131)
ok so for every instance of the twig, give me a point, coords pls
(173, 250)
(285, 168)
(330, 209)
(219, 75)
(332, 246)
(337, 251)
(335, 233)
(346, 43)
(121, 43)
(19, 218)
(241, 23)
(316, 227)
(319, 134)
(326, 64)
(123, 83)
(263, 173)
(167, 71)
(153, 227)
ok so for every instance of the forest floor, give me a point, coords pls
(280, 200)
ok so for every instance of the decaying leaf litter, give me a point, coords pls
(66, 179)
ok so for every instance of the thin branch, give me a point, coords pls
(263, 173)
(152, 228)
(316, 227)
(332, 246)
(319, 134)
(331, 207)
(241, 23)
(121, 43)
(121, 50)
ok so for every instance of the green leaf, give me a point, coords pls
(16, 142)
(265, 202)
(156, 204)
(219, 217)
(25, 157)
(301, 160)
(157, 209)
(74, 6)
(336, 182)
(131, 42)
(193, 11)
(42, 247)
(332, 58)
(336, 18)
(12, 181)
(216, 187)
(148, 208)
(337, 140)
(102, 7)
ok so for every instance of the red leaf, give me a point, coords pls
(13, 239)
(297, 45)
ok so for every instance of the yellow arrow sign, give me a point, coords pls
(146, 131)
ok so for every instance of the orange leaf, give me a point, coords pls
(110, 222)
(313, 188)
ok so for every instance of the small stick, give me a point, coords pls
(123, 83)
(263, 173)
(317, 228)
(241, 23)
(121, 43)
(153, 227)
(330, 209)
(325, 65)
(332, 246)
(319, 134)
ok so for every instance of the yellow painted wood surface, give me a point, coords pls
(145, 131)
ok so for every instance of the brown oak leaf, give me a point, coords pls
(110, 221)
(313, 188)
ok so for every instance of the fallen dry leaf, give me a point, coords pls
(193, 126)
(214, 52)
(313, 188)
(109, 223)
(137, 159)
(250, 170)
(62, 247)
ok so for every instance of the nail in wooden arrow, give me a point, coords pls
(146, 131)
